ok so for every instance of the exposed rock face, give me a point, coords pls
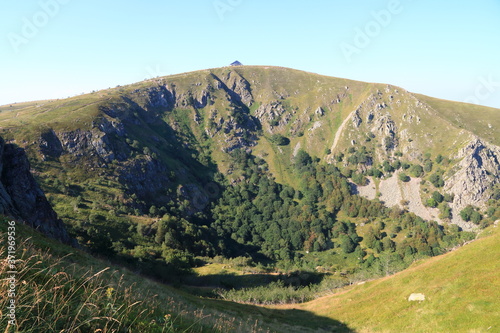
(49, 145)
(236, 86)
(476, 173)
(147, 178)
(21, 197)
(162, 97)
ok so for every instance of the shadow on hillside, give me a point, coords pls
(282, 320)
(250, 280)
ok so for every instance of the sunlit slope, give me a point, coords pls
(462, 291)
(481, 120)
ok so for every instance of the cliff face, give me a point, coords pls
(475, 175)
(21, 197)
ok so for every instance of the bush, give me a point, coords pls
(416, 170)
(449, 197)
(431, 203)
(444, 211)
(437, 196)
(279, 139)
(404, 177)
(466, 213)
(436, 180)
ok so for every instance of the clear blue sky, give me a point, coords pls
(60, 48)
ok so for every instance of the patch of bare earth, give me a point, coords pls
(393, 193)
(368, 191)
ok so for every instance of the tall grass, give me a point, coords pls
(52, 296)
(55, 295)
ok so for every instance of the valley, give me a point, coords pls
(276, 199)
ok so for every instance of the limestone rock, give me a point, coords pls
(416, 297)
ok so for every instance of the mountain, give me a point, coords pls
(255, 184)
(185, 125)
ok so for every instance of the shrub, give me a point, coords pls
(404, 177)
(416, 170)
(437, 196)
(466, 213)
(428, 166)
(279, 139)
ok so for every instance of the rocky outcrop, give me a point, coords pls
(147, 178)
(236, 86)
(474, 176)
(50, 146)
(22, 199)
(163, 96)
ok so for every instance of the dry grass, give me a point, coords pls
(462, 290)
(61, 293)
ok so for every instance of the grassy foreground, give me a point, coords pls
(60, 289)
(462, 290)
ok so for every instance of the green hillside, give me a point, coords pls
(261, 185)
(60, 288)
(461, 288)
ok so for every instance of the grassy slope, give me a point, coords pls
(462, 290)
(60, 286)
(380, 305)
(480, 120)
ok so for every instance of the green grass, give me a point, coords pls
(63, 289)
(481, 120)
(462, 290)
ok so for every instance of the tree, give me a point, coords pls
(153, 211)
(404, 177)
(279, 139)
(466, 213)
(389, 245)
(416, 170)
(437, 196)
(359, 179)
(348, 246)
(436, 180)
(476, 217)
(387, 167)
(302, 158)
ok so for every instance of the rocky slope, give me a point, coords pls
(158, 138)
(22, 199)
(477, 171)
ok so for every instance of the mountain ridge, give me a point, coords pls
(303, 106)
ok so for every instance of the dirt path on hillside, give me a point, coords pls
(340, 130)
